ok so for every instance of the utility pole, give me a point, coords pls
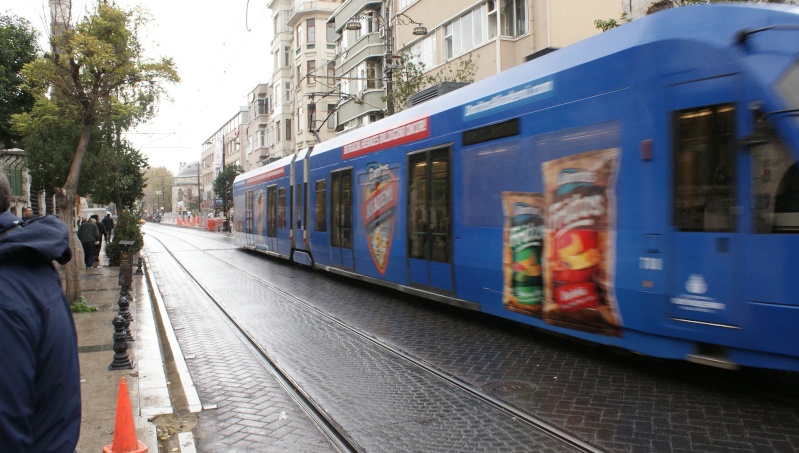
(225, 223)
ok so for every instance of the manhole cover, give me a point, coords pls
(509, 389)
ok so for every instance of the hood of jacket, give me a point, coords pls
(40, 239)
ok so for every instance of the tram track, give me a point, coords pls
(781, 387)
(332, 430)
(326, 425)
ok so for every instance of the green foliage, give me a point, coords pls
(114, 174)
(127, 228)
(80, 306)
(157, 182)
(413, 78)
(100, 81)
(18, 46)
(606, 25)
(223, 184)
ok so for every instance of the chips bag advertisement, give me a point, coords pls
(559, 247)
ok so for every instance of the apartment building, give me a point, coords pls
(260, 146)
(303, 79)
(222, 148)
(334, 61)
(494, 34)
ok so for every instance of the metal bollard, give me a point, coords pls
(124, 311)
(124, 307)
(121, 360)
(138, 267)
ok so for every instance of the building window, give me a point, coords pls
(406, 3)
(467, 32)
(345, 83)
(311, 116)
(331, 75)
(371, 74)
(331, 32)
(310, 26)
(288, 128)
(311, 74)
(287, 93)
(299, 78)
(261, 107)
(298, 36)
(299, 119)
(286, 57)
(277, 131)
(331, 116)
(513, 17)
(423, 52)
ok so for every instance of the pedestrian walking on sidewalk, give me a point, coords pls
(89, 237)
(40, 376)
(99, 245)
(108, 224)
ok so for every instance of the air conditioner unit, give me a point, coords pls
(382, 32)
(359, 98)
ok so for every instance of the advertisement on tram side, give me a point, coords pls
(559, 247)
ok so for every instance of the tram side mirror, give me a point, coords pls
(299, 224)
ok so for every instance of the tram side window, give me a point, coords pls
(341, 209)
(271, 215)
(320, 205)
(775, 184)
(704, 169)
(281, 207)
(248, 213)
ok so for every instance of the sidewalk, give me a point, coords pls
(147, 383)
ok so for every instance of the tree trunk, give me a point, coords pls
(65, 197)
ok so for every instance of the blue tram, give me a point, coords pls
(638, 189)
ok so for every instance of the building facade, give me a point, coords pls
(303, 78)
(186, 187)
(493, 35)
(333, 62)
(221, 149)
(260, 146)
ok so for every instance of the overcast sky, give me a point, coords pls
(221, 50)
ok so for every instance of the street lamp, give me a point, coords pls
(354, 23)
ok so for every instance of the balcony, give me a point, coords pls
(369, 46)
(357, 105)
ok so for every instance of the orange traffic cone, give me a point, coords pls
(125, 440)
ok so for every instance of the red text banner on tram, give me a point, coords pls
(400, 135)
(268, 176)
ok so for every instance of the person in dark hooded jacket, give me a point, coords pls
(40, 376)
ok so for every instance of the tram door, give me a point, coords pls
(707, 198)
(341, 218)
(429, 219)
